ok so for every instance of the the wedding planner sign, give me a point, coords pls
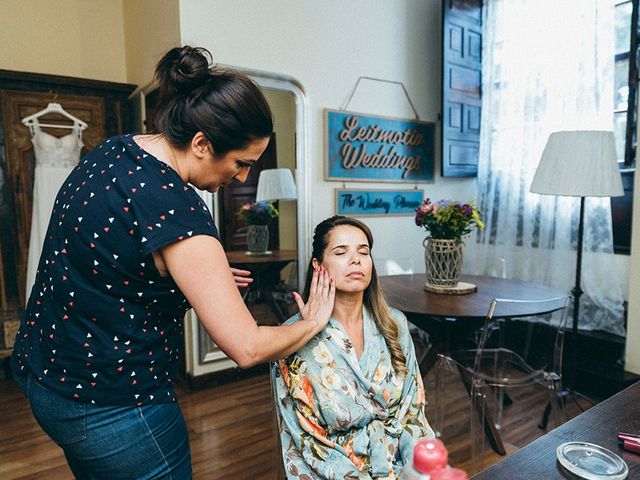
(367, 148)
(357, 202)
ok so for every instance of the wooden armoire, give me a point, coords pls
(102, 105)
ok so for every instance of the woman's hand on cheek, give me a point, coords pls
(241, 277)
(322, 295)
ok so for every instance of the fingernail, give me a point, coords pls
(293, 294)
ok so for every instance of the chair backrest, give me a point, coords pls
(277, 465)
(393, 266)
(533, 329)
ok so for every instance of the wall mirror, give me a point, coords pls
(289, 235)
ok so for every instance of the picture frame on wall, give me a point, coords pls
(360, 202)
(372, 148)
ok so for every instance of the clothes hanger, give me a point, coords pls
(53, 107)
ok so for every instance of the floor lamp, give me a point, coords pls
(578, 164)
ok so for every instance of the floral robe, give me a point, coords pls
(341, 417)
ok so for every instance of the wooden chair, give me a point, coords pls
(276, 458)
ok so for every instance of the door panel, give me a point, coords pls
(461, 86)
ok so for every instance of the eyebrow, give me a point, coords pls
(362, 245)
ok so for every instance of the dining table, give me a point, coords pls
(449, 318)
(599, 425)
(407, 294)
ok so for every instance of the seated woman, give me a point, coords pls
(351, 401)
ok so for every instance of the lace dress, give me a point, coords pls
(55, 158)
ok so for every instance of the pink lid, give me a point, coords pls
(429, 454)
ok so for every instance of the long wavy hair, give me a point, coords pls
(373, 298)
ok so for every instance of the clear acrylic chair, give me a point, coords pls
(511, 352)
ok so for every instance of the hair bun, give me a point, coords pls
(182, 70)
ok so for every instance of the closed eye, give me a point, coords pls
(241, 164)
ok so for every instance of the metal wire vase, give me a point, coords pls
(443, 260)
(257, 238)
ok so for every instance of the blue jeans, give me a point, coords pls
(114, 442)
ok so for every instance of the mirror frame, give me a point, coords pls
(288, 84)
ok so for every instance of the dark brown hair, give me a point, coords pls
(373, 298)
(194, 96)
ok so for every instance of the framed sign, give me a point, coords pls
(361, 202)
(368, 148)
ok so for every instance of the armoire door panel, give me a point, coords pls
(20, 161)
(102, 105)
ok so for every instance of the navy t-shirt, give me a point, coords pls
(101, 325)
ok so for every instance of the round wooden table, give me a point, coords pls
(407, 294)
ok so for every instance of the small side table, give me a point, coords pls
(265, 270)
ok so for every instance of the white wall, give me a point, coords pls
(326, 45)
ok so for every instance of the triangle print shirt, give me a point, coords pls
(101, 325)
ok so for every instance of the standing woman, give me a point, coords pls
(129, 249)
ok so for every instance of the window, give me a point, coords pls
(625, 104)
(624, 101)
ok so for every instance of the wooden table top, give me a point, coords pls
(600, 425)
(407, 294)
(240, 257)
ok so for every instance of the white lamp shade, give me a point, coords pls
(276, 184)
(579, 164)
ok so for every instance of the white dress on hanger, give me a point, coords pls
(55, 158)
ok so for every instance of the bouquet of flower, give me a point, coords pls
(257, 213)
(448, 219)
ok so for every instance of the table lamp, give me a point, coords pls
(578, 164)
(276, 184)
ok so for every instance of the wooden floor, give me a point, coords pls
(232, 432)
(232, 429)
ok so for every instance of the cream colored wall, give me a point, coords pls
(75, 38)
(151, 27)
(632, 360)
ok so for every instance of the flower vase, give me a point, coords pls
(443, 260)
(257, 238)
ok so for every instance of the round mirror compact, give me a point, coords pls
(591, 462)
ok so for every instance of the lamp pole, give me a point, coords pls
(577, 293)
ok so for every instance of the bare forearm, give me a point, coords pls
(274, 343)
(199, 267)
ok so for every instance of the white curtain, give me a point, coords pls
(547, 66)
